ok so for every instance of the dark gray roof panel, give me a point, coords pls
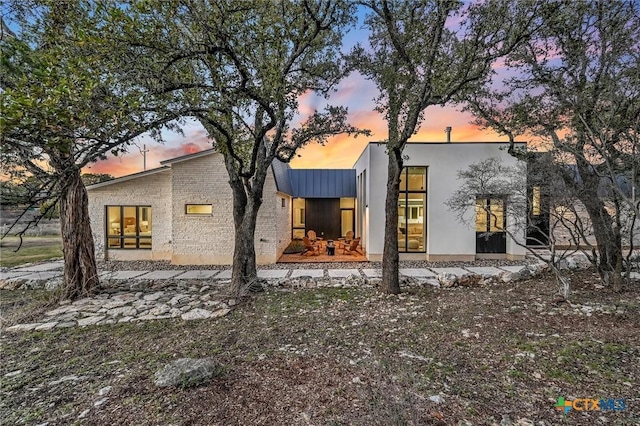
(281, 175)
(323, 183)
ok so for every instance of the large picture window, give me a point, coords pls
(412, 209)
(129, 227)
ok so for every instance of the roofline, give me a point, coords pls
(452, 143)
(128, 177)
(189, 156)
(431, 143)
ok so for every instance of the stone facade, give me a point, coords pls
(150, 189)
(186, 238)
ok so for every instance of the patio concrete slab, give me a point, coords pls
(458, 272)
(485, 271)
(44, 275)
(417, 272)
(514, 269)
(313, 273)
(343, 273)
(201, 274)
(272, 274)
(49, 266)
(224, 275)
(372, 273)
(121, 275)
(159, 275)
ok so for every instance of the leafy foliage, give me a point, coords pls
(417, 60)
(576, 86)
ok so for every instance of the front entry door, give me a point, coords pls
(323, 216)
(490, 226)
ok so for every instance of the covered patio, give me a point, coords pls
(320, 254)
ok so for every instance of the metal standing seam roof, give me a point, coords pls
(314, 183)
(323, 183)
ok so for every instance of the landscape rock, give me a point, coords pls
(437, 399)
(447, 280)
(82, 322)
(186, 372)
(195, 314)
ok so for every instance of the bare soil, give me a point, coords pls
(502, 353)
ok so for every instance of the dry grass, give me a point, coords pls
(336, 356)
(33, 249)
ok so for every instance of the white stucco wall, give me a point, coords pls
(447, 239)
(152, 190)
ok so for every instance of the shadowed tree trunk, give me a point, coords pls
(609, 241)
(247, 199)
(80, 271)
(391, 258)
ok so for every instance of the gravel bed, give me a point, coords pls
(155, 265)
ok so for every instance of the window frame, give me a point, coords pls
(408, 209)
(120, 237)
(187, 205)
(486, 209)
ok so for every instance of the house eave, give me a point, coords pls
(128, 177)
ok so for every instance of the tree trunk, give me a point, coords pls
(608, 240)
(247, 199)
(80, 271)
(243, 273)
(391, 258)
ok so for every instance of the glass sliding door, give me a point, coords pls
(490, 225)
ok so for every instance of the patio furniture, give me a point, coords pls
(309, 247)
(352, 247)
(346, 240)
(331, 248)
(312, 235)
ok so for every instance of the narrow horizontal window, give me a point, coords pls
(199, 209)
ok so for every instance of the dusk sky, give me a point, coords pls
(354, 92)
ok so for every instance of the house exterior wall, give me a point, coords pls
(283, 222)
(209, 239)
(191, 239)
(152, 190)
(446, 237)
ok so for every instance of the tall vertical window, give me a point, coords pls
(412, 209)
(298, 217)
(536, 210)
(129, 227)
(347, 215)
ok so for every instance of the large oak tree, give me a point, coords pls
(241, 68)
(577, 87)
(63, 107)
(418, 57)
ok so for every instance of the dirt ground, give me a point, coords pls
(501, 354)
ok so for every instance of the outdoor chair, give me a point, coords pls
(309, 247)
(312, 236)
(348, 237)
(352, 247)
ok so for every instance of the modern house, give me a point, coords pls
(182, 211)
